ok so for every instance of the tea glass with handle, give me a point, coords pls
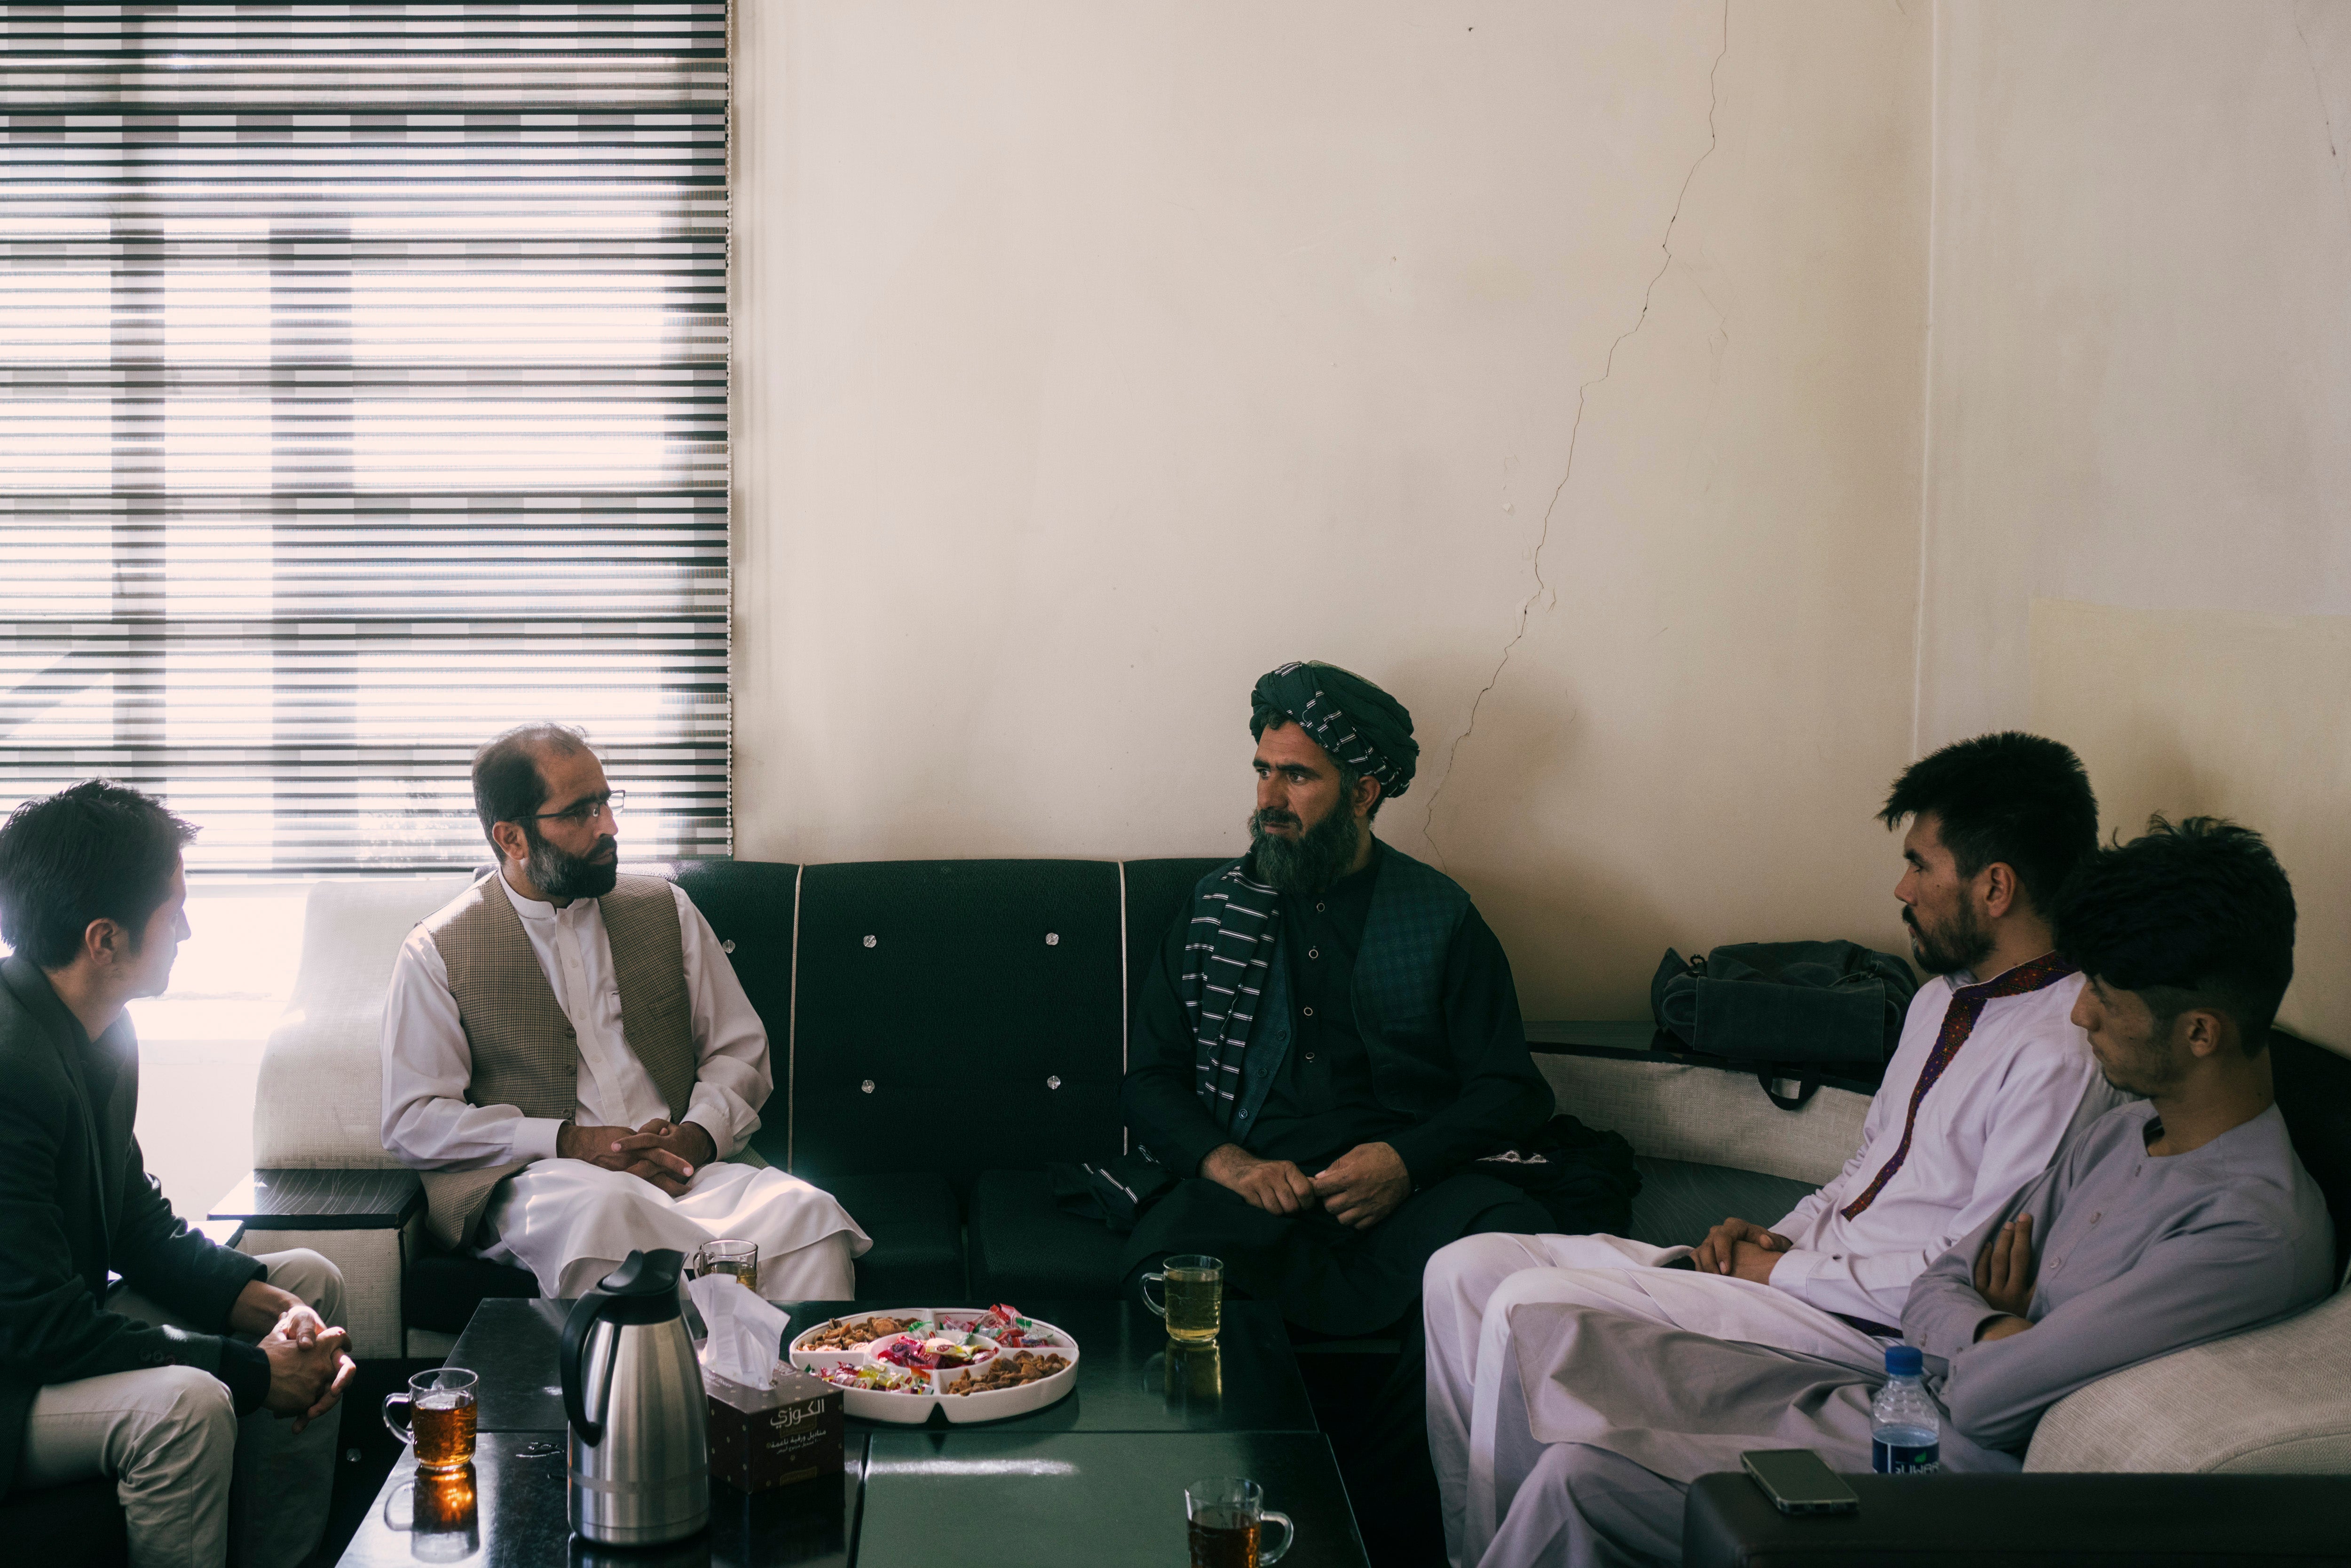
(438, 1412)
(1195, 1304)
(1225, 1518)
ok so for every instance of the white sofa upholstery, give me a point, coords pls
(1677, 1111)
(321, 1100)
(2276, 1401)
(318, 1099)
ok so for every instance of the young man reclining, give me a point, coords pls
(1990, 1074)
(2170, 1222)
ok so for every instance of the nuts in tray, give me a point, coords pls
(845, 1334)
(1009, 1372)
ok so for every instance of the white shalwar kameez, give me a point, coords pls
(2021, 1084)
(570, 1222)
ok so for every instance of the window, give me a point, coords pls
(365, 370)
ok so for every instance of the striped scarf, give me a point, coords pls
(1227, 955)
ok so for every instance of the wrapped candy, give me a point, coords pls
(907, 1350)
(1006, 1327)
(882, 1379)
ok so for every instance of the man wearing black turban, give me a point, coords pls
(1328, 1044)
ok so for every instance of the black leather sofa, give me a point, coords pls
(943, 1029)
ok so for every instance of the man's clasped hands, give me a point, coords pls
(1358, 1189)
(663, 1151)
(309, 1364)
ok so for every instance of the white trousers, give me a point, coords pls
(1479, 1431)
(1583, 1504)
(570, 1223)
(196, 1483)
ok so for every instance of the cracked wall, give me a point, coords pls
(1089, 361)
(2140, 406)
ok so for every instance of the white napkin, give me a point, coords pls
(747, 1334)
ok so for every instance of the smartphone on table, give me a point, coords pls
(1798, 1482)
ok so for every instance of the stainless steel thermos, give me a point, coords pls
(638, 1446)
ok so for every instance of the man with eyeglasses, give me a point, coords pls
(570, 1062)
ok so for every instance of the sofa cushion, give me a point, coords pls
(440, 1289)
(917, 1231)
(1679, 1202)
(2275, 1400)
(1155, 892)
(957, 1016)
(751, 905)
(1024, 1247)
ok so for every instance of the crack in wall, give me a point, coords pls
(1576, 430)
(2326, 115)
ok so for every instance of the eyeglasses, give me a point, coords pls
(585, 811)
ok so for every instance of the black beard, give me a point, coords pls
(1305, 865)
(558, 874)
(1962, 944)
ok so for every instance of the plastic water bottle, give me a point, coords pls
(1906, 1434)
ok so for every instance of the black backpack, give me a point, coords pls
(1807, 1009)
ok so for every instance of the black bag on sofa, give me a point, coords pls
(1827, 1005)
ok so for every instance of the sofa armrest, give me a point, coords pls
(356, 1218)
(2275, 1401)
(2024, 1521)
(322, 1199)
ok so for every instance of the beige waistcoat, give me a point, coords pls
(526, 1052)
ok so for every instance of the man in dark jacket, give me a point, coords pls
(1330, 1038)
(202, 1365)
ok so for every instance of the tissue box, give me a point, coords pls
(763, 1438)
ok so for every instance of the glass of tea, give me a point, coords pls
(739, 1261)
(439, 1416)
(1227, 1516)
(1194, 1307)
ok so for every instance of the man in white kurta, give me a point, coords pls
(571, 1221)
(1988, 1081)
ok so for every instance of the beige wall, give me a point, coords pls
(2225, 712)
(2140, 405)
(1091, 359)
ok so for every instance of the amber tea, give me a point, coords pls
(1224, 1545)
(439, 1418)
(1225, 1518)
(443, 1421)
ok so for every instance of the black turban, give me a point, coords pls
(1359, 725)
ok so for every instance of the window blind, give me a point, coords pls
(365, 370)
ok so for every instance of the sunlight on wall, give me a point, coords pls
(200, 1043)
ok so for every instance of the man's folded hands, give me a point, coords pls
(1740, 1249)
(663, 1151)
(309, 1366)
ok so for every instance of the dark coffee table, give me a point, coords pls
(1125, 1384)
(983, 1497)
(521, 1519)
(1097, 1478)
